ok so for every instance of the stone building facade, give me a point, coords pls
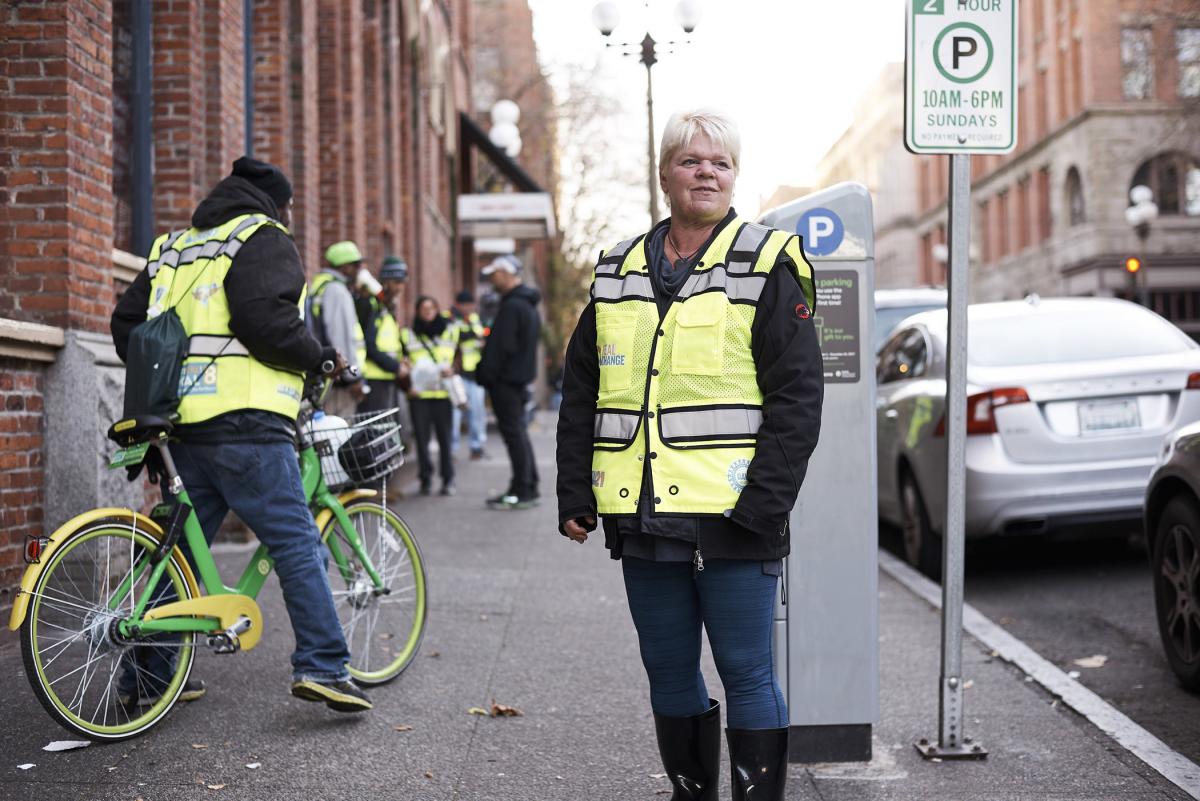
(114, 126)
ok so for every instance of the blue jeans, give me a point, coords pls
(733, 600)
(261, 484)
(476, 418)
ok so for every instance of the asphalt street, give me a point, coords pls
(1076, 600)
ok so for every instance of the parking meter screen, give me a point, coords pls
(839, 326)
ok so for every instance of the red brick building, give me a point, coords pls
(114, 124)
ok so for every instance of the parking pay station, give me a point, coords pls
(827, 634)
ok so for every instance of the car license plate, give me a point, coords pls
(1109, 416)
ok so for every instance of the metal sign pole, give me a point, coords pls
(952, 742)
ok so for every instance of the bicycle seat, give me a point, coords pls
(140, 428)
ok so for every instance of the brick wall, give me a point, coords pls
(21, 424)
(224, 82)
(179, 94)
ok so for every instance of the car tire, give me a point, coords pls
(922, 547)
(1175, 563)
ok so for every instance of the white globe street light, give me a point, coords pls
(1140, 215)
(505, 111)
(606, 16)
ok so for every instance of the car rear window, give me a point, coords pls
(888, 317)
(1072, 335)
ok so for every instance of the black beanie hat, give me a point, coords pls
(464, 296)
(266, 177)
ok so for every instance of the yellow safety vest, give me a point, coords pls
(187, 272)
(387, 340)
(471, 348)
(317, 289)
(439, 350)
(679, 395)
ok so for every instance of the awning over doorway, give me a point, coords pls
(527, 213)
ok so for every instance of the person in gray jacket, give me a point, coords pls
(334, 320)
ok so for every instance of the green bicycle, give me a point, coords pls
(112, 580)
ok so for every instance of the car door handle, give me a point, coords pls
(891, 414)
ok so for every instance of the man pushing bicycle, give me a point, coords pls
(237, 285)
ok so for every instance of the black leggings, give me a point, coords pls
(432, 413)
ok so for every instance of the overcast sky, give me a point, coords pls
(789, 71)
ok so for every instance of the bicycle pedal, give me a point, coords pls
(229, 640)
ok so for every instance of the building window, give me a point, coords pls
(1137, 64)
(1187, 44)
(1043, 204)
(985, 244)
(1024, 238)
(1175, 180)
(1003, 231)
(1075, 197)
(122, 144)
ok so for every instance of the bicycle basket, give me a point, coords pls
(374, 450)
(364, 450)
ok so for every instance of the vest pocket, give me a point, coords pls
(697, 346)
(614, 350)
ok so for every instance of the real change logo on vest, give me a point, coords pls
(608, 356)
(597, 478)
(736, 475)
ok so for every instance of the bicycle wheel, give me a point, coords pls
(90, 678)
(383, 630)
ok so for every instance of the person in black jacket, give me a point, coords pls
(695, 374)
(244, 460)
(508, 365)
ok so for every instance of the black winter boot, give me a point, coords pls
(691, 753)
(758, 760)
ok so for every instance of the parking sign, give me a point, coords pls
(961, 76)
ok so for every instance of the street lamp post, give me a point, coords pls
(1140, 214)
(606, 16)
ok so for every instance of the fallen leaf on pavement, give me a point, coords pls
(198, 746)
(968, 684)
(429, 774)
(387, 635)
(1093, 661)
(433, 654)
(26, 766)
(477, 710)
(66, 745)
(505, 711)
(402, 727)
(253, 765)
(215, 786)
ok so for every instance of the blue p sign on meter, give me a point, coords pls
(961, 76)
(821, 230)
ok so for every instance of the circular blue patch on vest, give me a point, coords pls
(736, 475)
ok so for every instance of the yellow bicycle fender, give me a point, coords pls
(225, 608)
(122, 516)
(344, 499)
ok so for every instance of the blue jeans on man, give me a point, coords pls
(476, 418)
(260, 482)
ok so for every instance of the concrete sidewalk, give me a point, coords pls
(524, 617)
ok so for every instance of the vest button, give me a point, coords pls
(653, 455)
(662, 333)
(658, 500)
(650, 414)
(654, 371)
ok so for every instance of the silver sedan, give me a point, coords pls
(1068, 401)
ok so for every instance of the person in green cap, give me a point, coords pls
(334, 321)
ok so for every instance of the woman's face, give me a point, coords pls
(699, 181)
(427, 311)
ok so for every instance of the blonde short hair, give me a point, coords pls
(683, 126)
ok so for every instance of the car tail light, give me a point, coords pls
(981, 408)
(1193, 381)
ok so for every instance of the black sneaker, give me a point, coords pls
(340, 696)
(426, 489)
(477, 454)
(510, 501)
(193, 690)
(448, 489)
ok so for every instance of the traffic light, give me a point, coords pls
(1132, 265)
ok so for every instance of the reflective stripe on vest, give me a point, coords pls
(443, 348)
(678, 395)
(387, 340)
(187, 272)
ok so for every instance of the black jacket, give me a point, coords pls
(510, 354)
(263, 286)
(787, 357)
